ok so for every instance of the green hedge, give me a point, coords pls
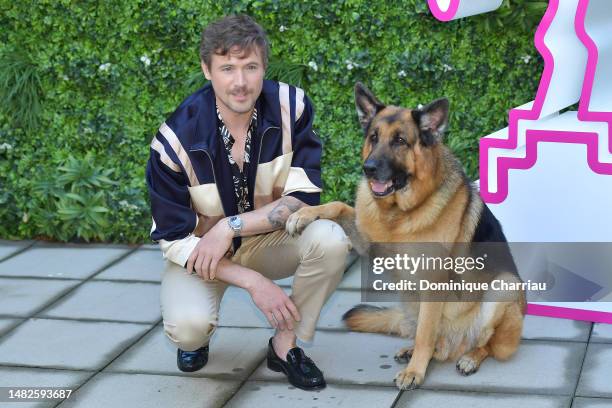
(85, 86)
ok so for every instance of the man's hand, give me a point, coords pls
(278, 308)
(211, 248)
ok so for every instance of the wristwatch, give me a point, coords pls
(235, 223)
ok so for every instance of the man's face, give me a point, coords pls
(237, 78)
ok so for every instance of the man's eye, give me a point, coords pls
(252, 67)
(226, 69)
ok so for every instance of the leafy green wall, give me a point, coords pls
(86, 84)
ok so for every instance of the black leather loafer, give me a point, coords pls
(190, 361)
(300, 370)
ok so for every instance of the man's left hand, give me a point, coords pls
(211, 248)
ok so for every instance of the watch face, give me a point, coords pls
(235, 222)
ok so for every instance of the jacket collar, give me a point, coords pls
(206, 127)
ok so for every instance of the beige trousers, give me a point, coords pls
(316, 259)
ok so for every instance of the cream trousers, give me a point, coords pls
(316, 259)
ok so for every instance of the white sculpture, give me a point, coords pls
(548, 176)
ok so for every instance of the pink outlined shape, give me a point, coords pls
(533, 136)
(590, 139)
(569, 313)
(505, 164)
(447, 15)
(584, 114)
(457, 9)
(517, 114)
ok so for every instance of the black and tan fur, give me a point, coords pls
(428, 199)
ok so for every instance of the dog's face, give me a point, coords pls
(398, 142)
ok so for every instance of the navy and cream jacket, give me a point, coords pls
(189, 174)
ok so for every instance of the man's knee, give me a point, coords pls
(190, 334)
(324, 240)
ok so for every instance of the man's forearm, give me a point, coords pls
(270, 217)
(211, 247)
(236, 274)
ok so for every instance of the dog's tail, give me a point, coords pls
(374, 319)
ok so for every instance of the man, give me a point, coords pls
(226, 170)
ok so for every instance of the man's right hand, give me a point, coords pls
(278, 308)
(210, 250)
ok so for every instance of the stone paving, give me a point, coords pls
(87, 317)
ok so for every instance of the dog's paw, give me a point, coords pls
(466, 365)
(299, 220)
(404, 354)
(408, 379)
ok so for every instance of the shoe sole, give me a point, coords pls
(280, 369)
(192, 369)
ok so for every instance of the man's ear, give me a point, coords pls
(432, 120)
(367, 105)
(205, 70)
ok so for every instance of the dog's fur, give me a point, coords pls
(415, 190)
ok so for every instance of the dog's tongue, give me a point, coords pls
(379, 187)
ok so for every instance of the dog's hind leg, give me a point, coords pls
(470, 362)
(507, 336)
(404, 354)
(500, 342)
(508, 325)
(489, 316)
(441, 352)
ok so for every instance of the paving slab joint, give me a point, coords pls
(112, 263)
(244, 381)
(18, 251)
(95, 373)
(66, 292)
(586, 350)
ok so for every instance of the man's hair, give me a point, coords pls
(241, 31)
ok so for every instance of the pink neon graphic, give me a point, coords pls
(584, 113)
(569, 313)
(453, 9)
(443, 15)
(505, 164)
(534, 137)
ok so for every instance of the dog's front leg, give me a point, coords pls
(336, 211)
(412, 376)
(304, 216)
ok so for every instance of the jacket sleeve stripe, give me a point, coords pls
(176, 145)
(159, 148)
(299, 103)
(299, 181)
(285, 105)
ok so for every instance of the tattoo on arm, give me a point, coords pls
(285, 207)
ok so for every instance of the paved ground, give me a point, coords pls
(87, 318)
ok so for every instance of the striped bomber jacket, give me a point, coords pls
(189, 176)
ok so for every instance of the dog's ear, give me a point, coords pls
(367, 105)
(432, 121)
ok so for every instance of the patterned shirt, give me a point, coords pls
(241, 188)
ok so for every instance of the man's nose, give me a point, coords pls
(240, 78)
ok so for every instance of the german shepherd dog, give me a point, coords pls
(415, 190)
